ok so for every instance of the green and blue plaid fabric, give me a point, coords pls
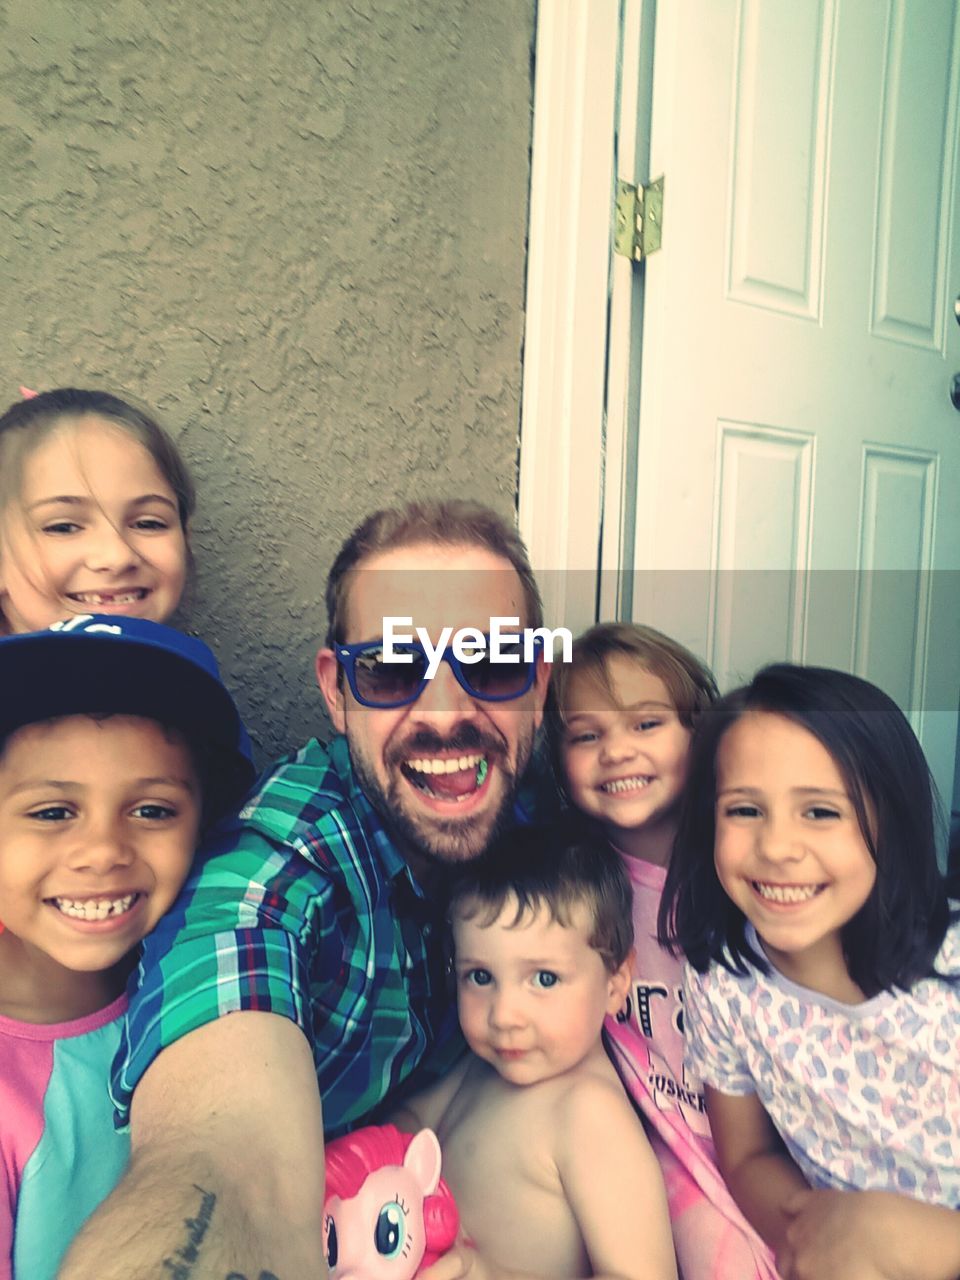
(303, 907)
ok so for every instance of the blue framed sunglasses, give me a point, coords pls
(374, 682)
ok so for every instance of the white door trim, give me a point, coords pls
(567, 302)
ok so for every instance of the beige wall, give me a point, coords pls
(296, 228)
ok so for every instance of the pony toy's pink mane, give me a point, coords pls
(352, 1157)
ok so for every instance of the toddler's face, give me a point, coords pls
(98, 826)
(532, 995)
(95, 529)
(625, 757)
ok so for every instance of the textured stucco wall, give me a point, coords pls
(297, 229)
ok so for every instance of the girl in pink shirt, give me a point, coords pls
(625, 708)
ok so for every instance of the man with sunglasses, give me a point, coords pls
(321, 905)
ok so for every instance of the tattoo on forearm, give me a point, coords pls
(180, 1265)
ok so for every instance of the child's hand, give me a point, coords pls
(463, 1262)
(868, 1235)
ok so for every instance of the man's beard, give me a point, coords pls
(442, 840)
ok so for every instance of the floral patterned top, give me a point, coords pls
(865, 1096)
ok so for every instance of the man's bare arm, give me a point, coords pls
(226, 1174)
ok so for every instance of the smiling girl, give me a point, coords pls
(95, 504)
(624, 713)
(822, 993)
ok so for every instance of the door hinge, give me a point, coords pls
(639, 219)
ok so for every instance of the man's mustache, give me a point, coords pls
(465, 737)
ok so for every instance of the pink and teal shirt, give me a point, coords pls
(60, 1154)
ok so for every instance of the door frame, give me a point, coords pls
(580, 301)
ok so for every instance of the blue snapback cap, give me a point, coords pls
(104, 664)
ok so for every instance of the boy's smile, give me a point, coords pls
(98, 826)
(533, 994)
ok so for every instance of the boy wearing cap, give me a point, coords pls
(117, 744)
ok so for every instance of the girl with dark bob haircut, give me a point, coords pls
(822, 990)
(893, 940)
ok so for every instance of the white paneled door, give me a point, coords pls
(796, 454)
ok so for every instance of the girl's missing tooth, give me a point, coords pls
(95, 504)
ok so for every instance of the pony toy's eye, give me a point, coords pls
(331, 1247)
(390, 1232)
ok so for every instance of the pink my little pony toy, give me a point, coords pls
(388, 1213)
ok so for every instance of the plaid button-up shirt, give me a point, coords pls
(303, 907)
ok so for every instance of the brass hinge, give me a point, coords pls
(639, 219)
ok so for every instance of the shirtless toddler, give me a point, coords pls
(550, 1166)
